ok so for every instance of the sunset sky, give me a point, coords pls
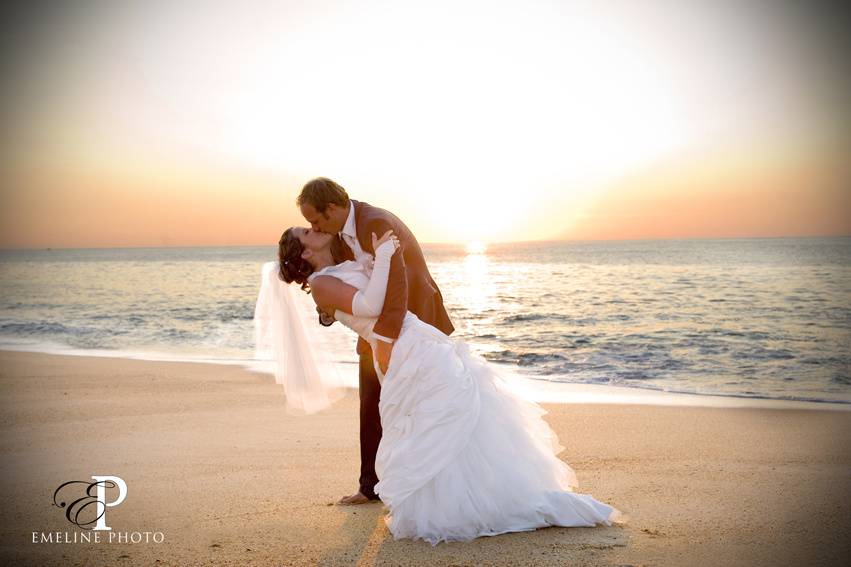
(169, 123)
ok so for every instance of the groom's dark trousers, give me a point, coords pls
(410, 287)
(370, 424)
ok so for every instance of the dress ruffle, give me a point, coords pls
(462, 456)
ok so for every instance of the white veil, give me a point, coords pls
(286, 330)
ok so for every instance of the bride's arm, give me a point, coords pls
(331, 293)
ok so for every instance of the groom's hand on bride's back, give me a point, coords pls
(324, 319)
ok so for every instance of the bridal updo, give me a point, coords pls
(293, 268)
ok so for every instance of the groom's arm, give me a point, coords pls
(389, 323)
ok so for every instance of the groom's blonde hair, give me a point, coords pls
(321, 192)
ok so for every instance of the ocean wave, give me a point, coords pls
(524, 358)
(547, 318)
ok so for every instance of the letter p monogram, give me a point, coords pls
(101, 498)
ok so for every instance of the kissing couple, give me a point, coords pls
(446, 445)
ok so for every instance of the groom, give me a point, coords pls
(410, 287)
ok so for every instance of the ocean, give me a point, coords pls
(750, 317)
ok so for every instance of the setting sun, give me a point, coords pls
(472, 121)
(476, 248)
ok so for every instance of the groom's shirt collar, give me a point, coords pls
(349, 227)
(350, 236)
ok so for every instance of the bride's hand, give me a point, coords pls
(386, 237)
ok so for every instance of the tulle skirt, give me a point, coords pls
(463, 456)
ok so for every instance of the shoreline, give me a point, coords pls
(213, 462)
(537, 389)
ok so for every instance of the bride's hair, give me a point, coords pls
(294, 268)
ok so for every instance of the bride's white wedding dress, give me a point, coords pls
(461, 455)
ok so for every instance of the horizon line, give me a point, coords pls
(461, 244)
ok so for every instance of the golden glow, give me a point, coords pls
(197, 122)
(476, 248)
(738, 193)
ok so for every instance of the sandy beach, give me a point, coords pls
(215, 466)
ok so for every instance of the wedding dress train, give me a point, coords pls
(461, 455)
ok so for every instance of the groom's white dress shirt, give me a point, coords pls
(350, 237)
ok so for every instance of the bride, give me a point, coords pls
(461, 455)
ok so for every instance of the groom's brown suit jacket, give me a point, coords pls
(410, 286)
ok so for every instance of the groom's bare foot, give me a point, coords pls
(356, 498)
